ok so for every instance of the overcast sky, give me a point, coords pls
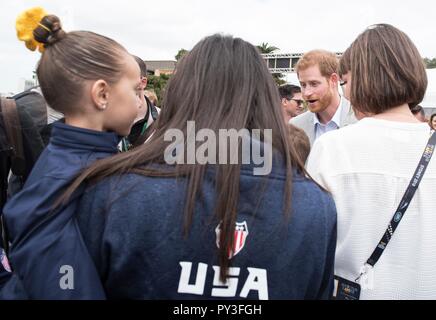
(156, 30)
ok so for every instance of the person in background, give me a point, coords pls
(147, 114)
(292, 102)
(151, 95)
(300, 140)
(432, 121)
(317, 72)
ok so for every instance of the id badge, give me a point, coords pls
(345, 289)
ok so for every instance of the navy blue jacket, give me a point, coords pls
(137, 243)
(47, 245)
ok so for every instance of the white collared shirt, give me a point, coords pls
(333, 124)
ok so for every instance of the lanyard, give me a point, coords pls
(125, 144)
(404, 203)
(144, 127)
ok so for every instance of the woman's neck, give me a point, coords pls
(400, 114)
(81, 121)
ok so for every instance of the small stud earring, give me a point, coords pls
(103, 106)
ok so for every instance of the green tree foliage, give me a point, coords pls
(278, 78)
(265, 48)
(158, 83)
(430, 63)
(181, 53)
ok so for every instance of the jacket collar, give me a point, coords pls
(65, 135)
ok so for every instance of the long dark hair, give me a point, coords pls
(222, 83)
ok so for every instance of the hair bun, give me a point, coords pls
(49, 30)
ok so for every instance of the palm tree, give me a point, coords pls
(264, 48)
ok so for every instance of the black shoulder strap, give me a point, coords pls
(404, 203)
(14, 135)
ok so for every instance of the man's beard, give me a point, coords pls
(322, 103)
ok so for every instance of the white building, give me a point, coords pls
(429, 102)
(26, 84)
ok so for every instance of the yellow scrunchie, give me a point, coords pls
(26, 23)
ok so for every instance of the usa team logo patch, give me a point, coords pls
(241, 233)
(4, 261)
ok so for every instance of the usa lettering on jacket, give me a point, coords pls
(256, 281)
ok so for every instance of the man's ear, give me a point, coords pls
(144, 82)
(100, 94)
(334, 78)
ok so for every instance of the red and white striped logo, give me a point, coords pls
(241, 233)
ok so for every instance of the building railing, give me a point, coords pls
(285, 62)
